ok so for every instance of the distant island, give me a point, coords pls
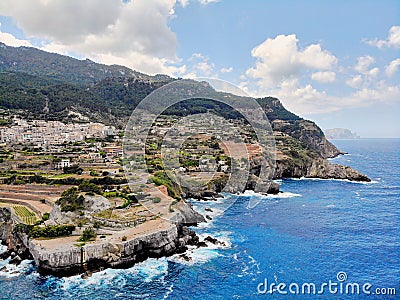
(340, 133)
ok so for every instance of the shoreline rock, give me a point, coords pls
(69, 259)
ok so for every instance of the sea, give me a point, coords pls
(317, 239)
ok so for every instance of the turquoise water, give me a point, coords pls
(313, 231)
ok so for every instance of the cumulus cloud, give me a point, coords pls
(306, 100)
(367, 74)
(11, 40)
(355, 81)
(200, 67)
(62, 21)
(363, 64)
(392, 67)
(327, 76)
(282, 69)
(134, 33)
(226, 70)
(281, 58)
(392, 41)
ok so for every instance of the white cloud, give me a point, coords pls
(327, 76)
(135, 33)
(393, 39)
(281, 70)
(11, 40)
(184, 3)
(280, 58)
(306, 100)
(392, 67)
(226, 70)
(62, 21)
(363, 63)
(355, 81)
(205, 2)
(200, 67)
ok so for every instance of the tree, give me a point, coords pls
(74, 169)
(88, 235)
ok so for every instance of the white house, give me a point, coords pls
(63, 163)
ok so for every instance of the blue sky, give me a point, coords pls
(334, 62)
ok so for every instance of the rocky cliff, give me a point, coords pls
(94, 256)
(317, 168)
(63, 257)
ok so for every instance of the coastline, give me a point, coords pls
(65, 256)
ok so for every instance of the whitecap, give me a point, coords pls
(270, 196)
(148, 270)
(202, 255)
(169, 291)
(152, 268)
(196, 255)
(250, 266)
(12, 270)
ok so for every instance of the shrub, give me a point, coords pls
(156, 200)
(97, 224)
(49, 231)
(161, 178)
(74, 169)
(90, 187)
(94, 173)
(87, 235)
(45, 216)
(124, 238)
(71, 200)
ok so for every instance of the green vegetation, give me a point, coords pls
(50, 231)
(161, 178)
(25, 214)
(74, 169)
(71, 200)
(172, 204)
(45, 216)
(156, 200)
(87, 235)
(89, 187)
(32, 78)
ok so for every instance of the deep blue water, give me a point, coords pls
(315, 230)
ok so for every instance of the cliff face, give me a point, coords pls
(74, 260)
(317, 168)
(16, 244)
(68, 258)
(314, 139)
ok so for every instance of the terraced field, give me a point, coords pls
(36, 197)
(24, 214)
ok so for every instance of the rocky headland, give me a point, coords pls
(65, 256)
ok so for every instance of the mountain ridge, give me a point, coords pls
(50, 86)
